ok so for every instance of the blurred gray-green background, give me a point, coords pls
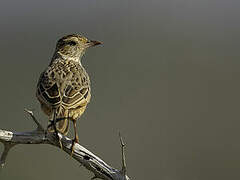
(167, 77)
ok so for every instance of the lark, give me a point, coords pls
(63, 89)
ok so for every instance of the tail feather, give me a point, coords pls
(62, 124)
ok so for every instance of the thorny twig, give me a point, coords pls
(86, 158)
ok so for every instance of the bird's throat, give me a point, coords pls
(60, 56)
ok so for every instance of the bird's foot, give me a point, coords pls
(74, 141)
(59, 140)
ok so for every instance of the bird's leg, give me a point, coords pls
(76, 139)
(55, 122)
(55, 127)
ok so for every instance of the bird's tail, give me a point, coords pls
(62, 120)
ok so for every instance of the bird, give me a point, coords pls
(63, 88)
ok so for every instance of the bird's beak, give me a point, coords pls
(92, 43)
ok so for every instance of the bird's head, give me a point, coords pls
(73, 46)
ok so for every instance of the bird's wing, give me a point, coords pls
(74, 97)
(48, 91)
(77, 88)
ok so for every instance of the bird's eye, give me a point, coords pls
(72, 43)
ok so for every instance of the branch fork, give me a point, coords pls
(86, 158)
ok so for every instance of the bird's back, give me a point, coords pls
(64, 86)
(64, 83)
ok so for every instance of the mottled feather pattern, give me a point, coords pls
(64, 83)
(64, 86)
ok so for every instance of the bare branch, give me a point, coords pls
(82, 155)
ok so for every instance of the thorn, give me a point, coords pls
(124, 166)
(7, 147)
(39, 126)
(121, 140)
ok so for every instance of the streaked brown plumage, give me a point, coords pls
(63, 89)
